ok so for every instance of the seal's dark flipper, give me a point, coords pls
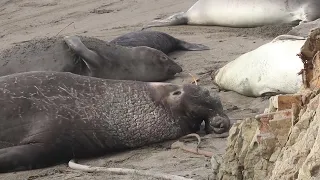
(24, 157)
(192, 47)
(91, 58)
(176, 19)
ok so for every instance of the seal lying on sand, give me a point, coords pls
(157, 40)
(304, 29)
(53, 54)
(268, 70)
(110, 61)
(51, 117)
(244, 13)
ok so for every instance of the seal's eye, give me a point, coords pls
(163, 58)
(177, 93)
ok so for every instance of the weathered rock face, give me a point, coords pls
(244, 157)
(287, 145)
(255, 155)
(300, 158)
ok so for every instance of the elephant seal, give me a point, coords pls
(244, 13)
(268, 70)
(303, 29)
(52, 117)
(111, 61)
(53, 54)
(157, 40)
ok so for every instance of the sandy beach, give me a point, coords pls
(28, 19)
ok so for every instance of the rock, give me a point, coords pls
(283, 143)
(256, 153)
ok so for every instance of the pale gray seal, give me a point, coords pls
(244, 13)
(304, 29)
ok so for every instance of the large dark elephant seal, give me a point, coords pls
(157, 40)
(53, 54)
(244, 13)
(51, 117)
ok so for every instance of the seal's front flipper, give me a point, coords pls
(25, 157)
(191, 46)
(287, 37)
(176, 19)
(91, 58)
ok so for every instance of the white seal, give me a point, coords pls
(304, 29)
(244, 13)
(268, 70)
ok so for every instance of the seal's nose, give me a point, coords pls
(174, 68)
(220, 124)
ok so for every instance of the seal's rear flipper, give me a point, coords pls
(25, 157)
(91, 58)
(176, 19)
(191, 46)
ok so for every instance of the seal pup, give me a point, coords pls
(52, 117)
(53, 54)
(303, 29)
(157, 40)
(110, 61)
(243, 13)
(268, 70)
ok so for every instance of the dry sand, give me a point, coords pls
(27, 19)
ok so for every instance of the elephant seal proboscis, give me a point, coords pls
(53, 54)
(157, 40)
(268, 70)
(244, 13)
(52, 117)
